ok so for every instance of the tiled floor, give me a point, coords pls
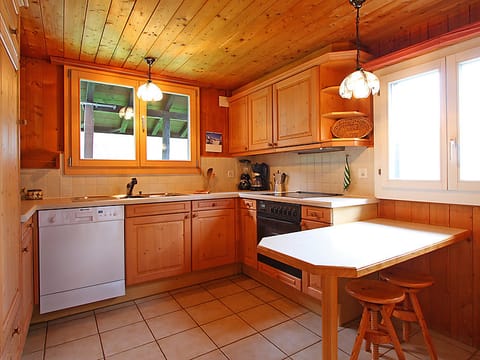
(235, 318)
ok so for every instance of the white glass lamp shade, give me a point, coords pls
(149, 92)
(359, 84)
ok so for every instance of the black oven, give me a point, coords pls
(275, 218)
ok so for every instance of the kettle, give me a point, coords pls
(279, 182)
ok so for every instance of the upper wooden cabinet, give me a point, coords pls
(296, 109)
(238, 125)
(10, 30)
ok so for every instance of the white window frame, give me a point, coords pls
(448, 189)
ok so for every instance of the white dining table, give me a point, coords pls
(353, 250)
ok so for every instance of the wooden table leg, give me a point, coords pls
(329, 317)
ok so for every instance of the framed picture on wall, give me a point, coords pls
(214, 142)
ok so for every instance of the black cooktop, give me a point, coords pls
(302, 194)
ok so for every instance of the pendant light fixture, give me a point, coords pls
(149, 91)
(360, 83)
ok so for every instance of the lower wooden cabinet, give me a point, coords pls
(158, 243)
(28, 233)
(248, 232)
(213, 233)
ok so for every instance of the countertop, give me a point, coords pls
(28, 207)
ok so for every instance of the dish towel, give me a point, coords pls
(346, 174)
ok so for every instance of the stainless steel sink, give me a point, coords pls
(93, 198)
(149, 195)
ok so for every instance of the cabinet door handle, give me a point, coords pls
(16, 331)
(13, 31)
(144, 123)
(194, 215)
(25, 250)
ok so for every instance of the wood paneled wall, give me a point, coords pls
(452, 304)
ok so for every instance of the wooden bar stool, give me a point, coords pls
(409, 310)
(376, 297)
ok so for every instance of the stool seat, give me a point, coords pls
(377, 298)
(409, 310)
(374, 291)
(407, 279)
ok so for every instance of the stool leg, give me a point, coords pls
(360, 334)
(385, 311)
(405, 324)
(374, 326)
(423, 326)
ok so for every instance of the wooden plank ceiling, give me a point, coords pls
(226, 43)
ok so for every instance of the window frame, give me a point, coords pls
(73, 164)
(449, 189)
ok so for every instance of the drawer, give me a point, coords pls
(198, 205)
(317, 214)
(285, 278)
(157, 208)
(248, 204)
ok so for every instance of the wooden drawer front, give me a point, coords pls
(309, 224)
(157, 208)
(317, 214)
(248, 204)
(213, 204)
(280, 276)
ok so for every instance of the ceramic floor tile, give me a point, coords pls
(314, 352)
(246, 282)
(207, 312)
(228, 330)
(150, 351)
(108, 320)
(290, 337)
(87, 348)
(192, 296)
(60, 332)
(311, 321)
(288, 307)
(255, 347)
(262, 317)
(214, 355)
(158, 306)
(35, 340)
(171, 323)
(265, 294)
(241, 301)
(222, 288)
(125, 338)
(186, 345)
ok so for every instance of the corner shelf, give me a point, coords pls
(331, 90)
(335, 115)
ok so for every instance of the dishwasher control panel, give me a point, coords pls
(80, 215)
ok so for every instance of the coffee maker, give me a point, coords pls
(261, 175)
(245, 181)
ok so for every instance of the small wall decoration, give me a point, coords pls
(214, 142)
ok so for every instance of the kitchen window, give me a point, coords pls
(427, 126)
(109, 130)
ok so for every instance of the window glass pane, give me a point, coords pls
(414, 128)
(168, 128)
(468, 120)
(107, 118)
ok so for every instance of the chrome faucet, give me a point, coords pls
(130, 186)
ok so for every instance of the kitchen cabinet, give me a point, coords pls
(317, 217)
(213, 233)
(12, 335)
(28, 235)
(260, 119)
(10, 30)
(248, 231)
(238, 125)
(295, 110)
(157, 241)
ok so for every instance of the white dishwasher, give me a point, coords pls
(81, 256)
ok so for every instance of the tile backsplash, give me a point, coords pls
(314, 172)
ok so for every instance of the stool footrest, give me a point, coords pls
(405, 315)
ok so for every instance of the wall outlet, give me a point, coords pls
(230, 173)
(362, 173)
